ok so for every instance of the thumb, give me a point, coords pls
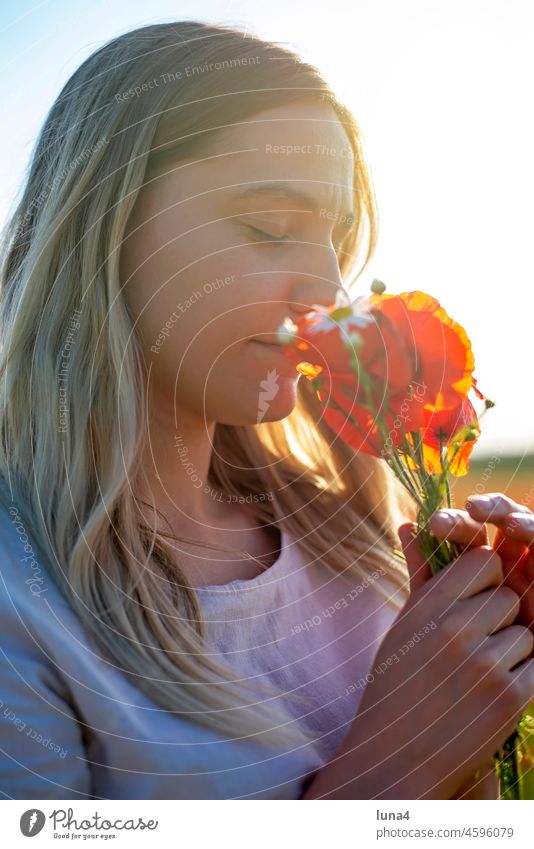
(418, 567)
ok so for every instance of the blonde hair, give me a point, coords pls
(70, 465)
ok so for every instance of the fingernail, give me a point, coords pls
(444, 518)
(481, 501)
(516, 520)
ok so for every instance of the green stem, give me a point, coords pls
(506, 767)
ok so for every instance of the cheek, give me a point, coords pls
(157, 268)
(186, 317)
(193, 349)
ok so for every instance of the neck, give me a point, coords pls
(175, 469)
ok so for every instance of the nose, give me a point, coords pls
(319, 283)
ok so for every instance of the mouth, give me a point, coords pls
(276, 351)
(274, 346)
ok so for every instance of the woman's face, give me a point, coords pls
(218, 252)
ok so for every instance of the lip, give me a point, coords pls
(271, 345)
(276, 351)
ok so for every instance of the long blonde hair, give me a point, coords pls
(73, 377)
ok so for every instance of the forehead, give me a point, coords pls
(304, 144)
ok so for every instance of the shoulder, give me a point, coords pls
(40, 736)
(30, 602)
(33, 611)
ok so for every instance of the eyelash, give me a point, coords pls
(266, 236)
(281, 239)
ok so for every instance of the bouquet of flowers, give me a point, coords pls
(393, 373)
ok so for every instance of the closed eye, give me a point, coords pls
(268, 237)
(263, 236)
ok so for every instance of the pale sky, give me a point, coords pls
(443, 92)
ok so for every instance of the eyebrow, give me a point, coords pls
(286, 191)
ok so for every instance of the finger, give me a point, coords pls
(493, 507)
(524, 675)
(509, 646)
(493, 608)
(472, 572)
(526, 611)
(520, 527)
(525, 567)
(418, 566)
(458, 526)
(516, 556)
(484, 784)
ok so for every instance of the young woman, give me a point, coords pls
(197, 576)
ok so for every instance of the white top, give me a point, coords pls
(73, 727)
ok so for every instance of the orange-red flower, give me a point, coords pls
(440, 346)
(357, 393)
(328, 337)
(381, 365)
(456, 431)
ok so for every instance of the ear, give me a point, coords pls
(418, 567)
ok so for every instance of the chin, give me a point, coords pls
(270, 404)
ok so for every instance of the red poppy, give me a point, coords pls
(455, 431)
(444, 360)
(381, 365)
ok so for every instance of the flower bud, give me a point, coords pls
(470, 436)
(378, 287)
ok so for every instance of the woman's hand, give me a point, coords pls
(451, 679)
(514, 540)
